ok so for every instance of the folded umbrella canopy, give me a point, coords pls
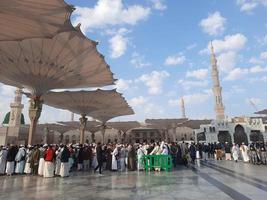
(22, 19)
(100, 104)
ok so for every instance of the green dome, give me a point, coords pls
(6, 119)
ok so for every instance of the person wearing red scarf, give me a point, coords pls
(49, 162)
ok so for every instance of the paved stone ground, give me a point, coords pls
(207, 180)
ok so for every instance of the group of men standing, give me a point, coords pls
(59, 160)
(34, 160)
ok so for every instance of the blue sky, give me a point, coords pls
(158, 50)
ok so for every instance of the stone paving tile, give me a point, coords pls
(182, 184)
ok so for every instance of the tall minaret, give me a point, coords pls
(183, 108)
(217, 89)
(16, 109)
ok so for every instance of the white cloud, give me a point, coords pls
(174, 102)
(265, 39)
(7, 90)
(256, 61)
(109, 13)
(263, 55)
(229, 43)
(159, 5)
(138, 61)
(175, 60)
(198, 74)
(187, 85)
(123, 85)
(191, 46)
(227, 61)
(249, 5)
(154, 81)
(237, 89)
(214, 24)
(137, 101)
(257, 69)
(192, 99)
(118, 43)
(236, 73)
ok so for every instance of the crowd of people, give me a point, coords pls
(60, 160)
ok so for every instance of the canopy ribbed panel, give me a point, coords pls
(91, 126)
(124, 126)
(100, 104)
(22, 19)
(68, 60)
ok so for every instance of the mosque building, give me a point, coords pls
(224, 129)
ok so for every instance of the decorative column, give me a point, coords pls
(83, 121)
(35, 110)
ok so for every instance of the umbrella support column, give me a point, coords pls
(103, 131)
(93, 137)
(46, 133)
(35, 110)
(83, 121)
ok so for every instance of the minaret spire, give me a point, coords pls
(217, 89)
(183, 108)
(16, 109)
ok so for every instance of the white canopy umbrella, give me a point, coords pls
(21, 19)
(68, 60)
(100, 104)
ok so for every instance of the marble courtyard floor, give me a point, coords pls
(207, 180)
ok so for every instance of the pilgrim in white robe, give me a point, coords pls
(235, 153)
(140, 154)
(3, 155)
(64, 169)
(94, 161)
(48, 169)
(28, 169)
(10, 166)
(244, 152)
(20, 160)
(58, 162)
(122, 157)
(41, 167)
(114, 165)
(41, 162)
